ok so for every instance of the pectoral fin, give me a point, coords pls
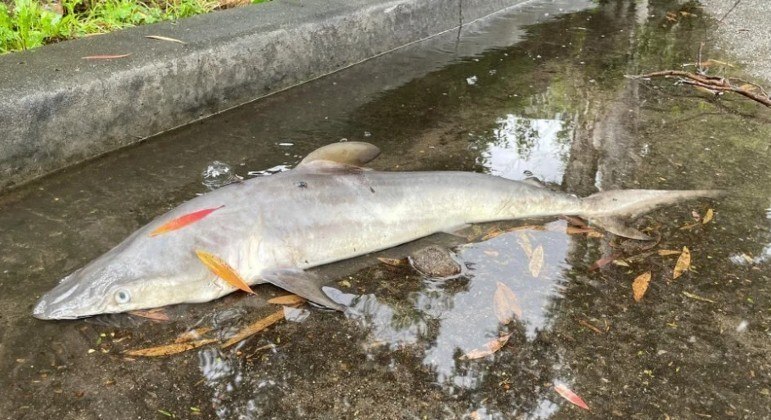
(616, 226)
(302, 284)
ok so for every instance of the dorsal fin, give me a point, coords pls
(354, 153)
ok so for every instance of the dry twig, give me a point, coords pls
(714, 83)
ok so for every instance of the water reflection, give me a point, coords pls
(447, 320)
(522, 145)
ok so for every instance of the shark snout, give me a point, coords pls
(68, 300)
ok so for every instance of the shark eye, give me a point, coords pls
(122, 296)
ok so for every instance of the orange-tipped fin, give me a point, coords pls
(223, 270)
(183, 221)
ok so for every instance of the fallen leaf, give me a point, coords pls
(169, 349)
(683, 263)
(569, 395)
(395, 262)
(223, 270)
(602, 262)
(192, 335)
(667, 252)
(708, 216)
(105, 57)
(183, 221)
(506, 304)
(157, 314)
(164, 38)
(620, 263)
(697, 297)
(490, 347)
(640, 285)
(254, 328)
(289, 300)
(524, 242)
(536, 261)
(590, 326)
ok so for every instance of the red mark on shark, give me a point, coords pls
(183, 221)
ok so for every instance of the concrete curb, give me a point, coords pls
(57, 109)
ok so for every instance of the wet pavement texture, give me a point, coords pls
(537, 91)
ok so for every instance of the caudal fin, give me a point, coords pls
(606, 209)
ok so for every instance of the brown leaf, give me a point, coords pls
(708, 216)
(640, 285)
(192, 334)
(254, 328)
(587, 324)
(667, 252)
(506, 304)
(490, 347)
(536, 261)
(571, 396)
(602, 262)
(395, 262)
(683, 263)
(289, 300)
(157, 314)
(169, 349)
(105, 57)
(164, 38)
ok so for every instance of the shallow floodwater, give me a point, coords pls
(539, 91)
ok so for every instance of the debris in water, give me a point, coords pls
(434, 261)
(696, 297)
(471, 80)
(394, 262)
(270, 171)
(191, 335)
(569, 395)
(742, 327)
(640, 285)
(287, 300)
(683, 263)
(296, 314)
(157, 314)
(218, 174)
(708, 216)
(169, 349)
(254, 328)
(667, 252)
(490, 347)
(506, 304)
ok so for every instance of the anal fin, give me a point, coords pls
(617, 226)
(301, 283)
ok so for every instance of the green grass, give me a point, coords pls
(26, 24)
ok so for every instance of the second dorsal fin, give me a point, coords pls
(355, 153)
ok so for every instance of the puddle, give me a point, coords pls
(548, 99)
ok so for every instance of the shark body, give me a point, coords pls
(328, 209)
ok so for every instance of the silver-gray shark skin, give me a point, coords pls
(270, 229)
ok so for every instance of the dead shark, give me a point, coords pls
(329, 208)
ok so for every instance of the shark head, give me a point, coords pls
(128, 278)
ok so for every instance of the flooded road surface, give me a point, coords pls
(539, 306)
